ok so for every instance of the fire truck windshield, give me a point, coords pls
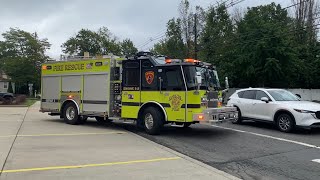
(210, 79)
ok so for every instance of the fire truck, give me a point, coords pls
(150, 90)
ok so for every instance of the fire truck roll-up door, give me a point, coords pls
(71, 88)
(51, 95)
(95, 93)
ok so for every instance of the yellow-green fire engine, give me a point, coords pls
(151, 90)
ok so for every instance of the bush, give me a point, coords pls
(19, 99)
(2, 101)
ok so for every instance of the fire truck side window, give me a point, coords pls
(172, 79)
(131, 74)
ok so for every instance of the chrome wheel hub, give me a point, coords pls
(148, 120)
(70, 113)
(284, 123)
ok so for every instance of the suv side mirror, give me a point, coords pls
(265, 99)
(299, 96)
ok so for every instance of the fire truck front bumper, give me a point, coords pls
(216, 115)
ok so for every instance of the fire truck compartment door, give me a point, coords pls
(95, 93)
(51, 91)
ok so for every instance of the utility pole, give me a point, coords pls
(195, 36)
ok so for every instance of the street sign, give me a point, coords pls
(30, 89)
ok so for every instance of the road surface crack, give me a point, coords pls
(15, 138)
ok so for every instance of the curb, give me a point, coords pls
(226, 175)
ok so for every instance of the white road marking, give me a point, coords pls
(316, 160)
(270, 137)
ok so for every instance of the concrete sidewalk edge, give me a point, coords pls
(226, 175)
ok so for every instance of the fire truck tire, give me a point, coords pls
(152, 120)
(70, 114)
(101, 120)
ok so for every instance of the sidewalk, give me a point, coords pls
(46, 148)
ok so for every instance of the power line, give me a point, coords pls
(277, 28)
(151, 40)
(296, 4)
(255, 18)
(160, 33)
(232, 3)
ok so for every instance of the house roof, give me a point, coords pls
(4, 79)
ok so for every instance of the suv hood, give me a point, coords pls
(303, 105)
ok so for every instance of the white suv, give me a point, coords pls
(282, 107)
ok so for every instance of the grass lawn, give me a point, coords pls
(29, 102)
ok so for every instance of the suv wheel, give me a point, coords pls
(239, 119)
(285, 122)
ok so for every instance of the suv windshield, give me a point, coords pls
(283, 95)
(209, 78)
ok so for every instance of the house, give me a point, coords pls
(4, 82)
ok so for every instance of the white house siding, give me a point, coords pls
(4, 86)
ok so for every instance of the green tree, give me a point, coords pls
(99, 42)
(172, 45)
(108, 42)
(21, 54)
(264, 48)
(10, 88)
(217, 40)
(305, 26)
(185, 23)
(128, 48)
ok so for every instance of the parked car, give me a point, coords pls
(278, 106)
(6, 96)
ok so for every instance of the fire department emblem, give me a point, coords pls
(175, 102)
(149, 76)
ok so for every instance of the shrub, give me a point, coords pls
(2, 101)
(19, 99)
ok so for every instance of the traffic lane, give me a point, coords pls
(301, 135)
(243, 155)
(290, 165)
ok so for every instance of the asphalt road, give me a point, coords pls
(249, 151)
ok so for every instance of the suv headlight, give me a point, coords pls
(303, 111)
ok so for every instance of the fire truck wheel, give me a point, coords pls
(70, 114)
(153, 120)
(101, 120)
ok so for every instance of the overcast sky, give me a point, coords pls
(57, 20)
